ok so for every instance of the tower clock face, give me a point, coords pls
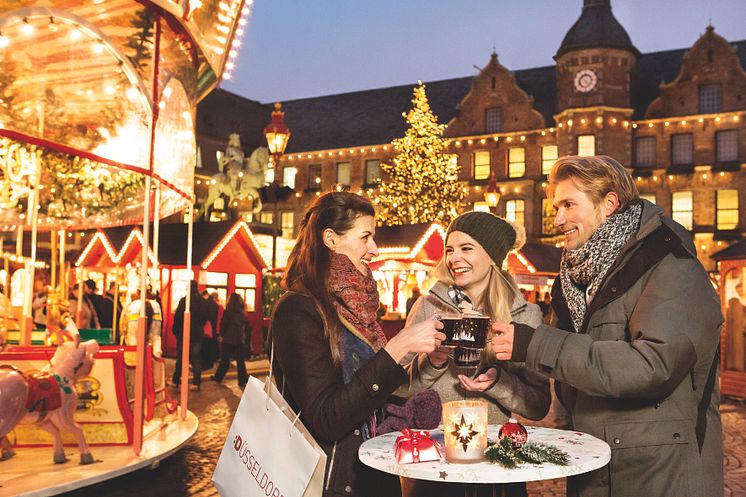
(585, 80)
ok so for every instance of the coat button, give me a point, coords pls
(375, 387)
(666, 238)
(613, 289)
(676, 436)
(617, 441)
(657, 405)
(348, 489)
(357, 433)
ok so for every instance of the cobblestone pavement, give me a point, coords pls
(188, 472)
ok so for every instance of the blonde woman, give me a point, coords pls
(470, 278)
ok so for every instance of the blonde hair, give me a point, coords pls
(595, 176)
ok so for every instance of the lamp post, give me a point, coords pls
(277, 134)
(492, 193)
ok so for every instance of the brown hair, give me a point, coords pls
(596, 176)
(308, 264)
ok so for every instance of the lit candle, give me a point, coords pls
(465, 430)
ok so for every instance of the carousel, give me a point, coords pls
(97, 113)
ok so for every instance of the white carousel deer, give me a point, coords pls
(48, 398)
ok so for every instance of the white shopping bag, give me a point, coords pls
(268, 451)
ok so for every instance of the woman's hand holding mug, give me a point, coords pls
(424, 336)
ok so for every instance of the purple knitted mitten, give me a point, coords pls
(422, 411)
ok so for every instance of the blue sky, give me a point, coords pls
(304, 48)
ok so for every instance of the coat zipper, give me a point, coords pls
(331, 464)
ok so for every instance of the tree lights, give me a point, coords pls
(423, 184)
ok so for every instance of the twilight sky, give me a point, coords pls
(306, 48)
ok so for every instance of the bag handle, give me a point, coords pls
(268, 386)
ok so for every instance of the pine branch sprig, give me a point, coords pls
(508, 456)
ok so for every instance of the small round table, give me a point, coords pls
(586, 454)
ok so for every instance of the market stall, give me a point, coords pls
(227, 259)
(731, 264)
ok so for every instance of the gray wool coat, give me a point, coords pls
(517, 390)
(642, 373)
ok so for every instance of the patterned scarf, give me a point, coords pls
(584, 268)
(460, 299)
(355, 297)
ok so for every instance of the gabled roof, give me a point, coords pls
(400, 236)
(545, 258)
(373, 117)
(735, 251)
(173, 240)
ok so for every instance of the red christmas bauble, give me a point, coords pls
(515, 432)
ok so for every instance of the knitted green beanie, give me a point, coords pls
(496, 236)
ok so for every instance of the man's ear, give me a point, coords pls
(610, 203)
(329, 237)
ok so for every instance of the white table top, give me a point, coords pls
(586, 454)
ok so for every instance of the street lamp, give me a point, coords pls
(492, 193)
(277, 134)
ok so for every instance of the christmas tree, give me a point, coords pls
(422, 184)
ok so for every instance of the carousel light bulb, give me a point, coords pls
(27, 28)
(242, 22)
(52, 26)
(4, 41)
(75, 34)
(131, 93)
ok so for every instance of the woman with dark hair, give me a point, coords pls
(332, 360)
(234, 328)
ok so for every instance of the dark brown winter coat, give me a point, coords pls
(331, 410)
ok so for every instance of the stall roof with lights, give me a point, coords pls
(210, 240)
(423, 241)
(735, 251)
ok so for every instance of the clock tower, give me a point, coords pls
(594, 74)
(595, 60)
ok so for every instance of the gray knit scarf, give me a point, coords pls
(584, 268)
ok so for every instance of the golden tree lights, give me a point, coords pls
(423, 179)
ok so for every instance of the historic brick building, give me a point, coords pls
(675, 118)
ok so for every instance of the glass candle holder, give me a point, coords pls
(465, 430)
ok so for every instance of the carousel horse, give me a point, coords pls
(48, 398)
(235, 182)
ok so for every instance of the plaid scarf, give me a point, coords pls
(460, 299)
(355, 297)
(583, 270)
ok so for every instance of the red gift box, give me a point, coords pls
(415, 446)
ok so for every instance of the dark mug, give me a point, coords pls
(467, 357)
(451, 326)
(472, 331)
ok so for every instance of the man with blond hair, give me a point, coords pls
(634, 346)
